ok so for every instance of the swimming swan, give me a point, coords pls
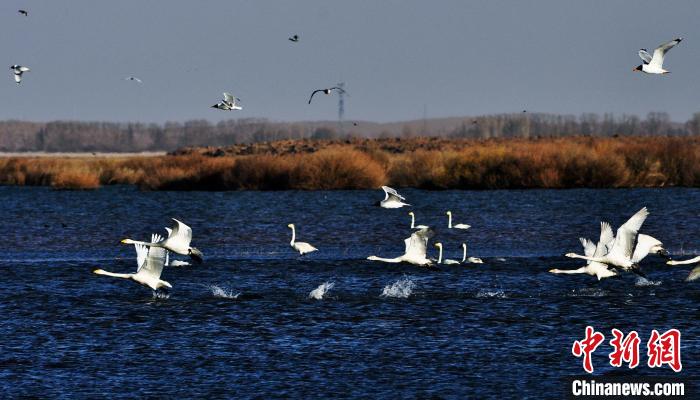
(440, 260)
(413, 222)
(301, 247)
(473, 260)
(457, 226)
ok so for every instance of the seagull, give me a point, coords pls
(228, 103)
(23, 12)
(457, 226)
(392, 199)
(413, 222)
(654, 64)
(178, 242)
(416, 250)
(294, 38)
(629, 247)
(150, 262)
(440, 260)
(18, 70)
(325, 91)
(133, 78)
(465, 259)
(301, 247)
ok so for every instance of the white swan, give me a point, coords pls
(440, 260)
(392, 199)
(150, 266)
(457, 226)
(590, 249)
(694, 274)
(178, 242)
(621, 252)
(228, 103)
(465, 259)
(413, 222)
(301, 247)
(416, 250)
(173, 263)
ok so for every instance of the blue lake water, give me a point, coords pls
(241, 324)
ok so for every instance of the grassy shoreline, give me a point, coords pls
(434, 163)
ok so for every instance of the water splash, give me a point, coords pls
(223, 293)
(321, 290)
(498, 294)
(400, 289)
(641, 281)
(588, 292)
(160, 294)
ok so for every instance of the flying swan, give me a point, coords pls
(178, 242)
(694, 274)
(590, 249)
(301, 247)
(150, 262)
(416, 250)
(392, 199)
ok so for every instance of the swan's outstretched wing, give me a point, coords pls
(589, 248)
(228, 98)
(645, 245)
(626, 237)
(181, 234)
(141, 254)
(389, 192)
(645, 56)
(313, 93)
(154, 262)
(170, 231)
(418, 243)
(658, 59)
(605, 241)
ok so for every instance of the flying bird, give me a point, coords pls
(178, 242)
(416, 250)
(654, 64)
(392, 199)
(325, 91)
(228, 103)
(133, 78)
(18, 70)
(294, 38)
(23, 12)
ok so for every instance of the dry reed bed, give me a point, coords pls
(494, 164)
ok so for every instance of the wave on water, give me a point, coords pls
(223, 293)
(321, 290)
(498, 294)
(641, 281)
(588, 292)
(400, 289)
(160, 294)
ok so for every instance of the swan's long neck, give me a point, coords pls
(103, 272)
(691, 261)
(581, 270)
(598, 259)
(294, 236)
(449, 221)
(413, 221)
(129, 241)
(388, 260)
(464, 252)
(439, 254)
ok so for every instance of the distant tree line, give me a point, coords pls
(73, 136)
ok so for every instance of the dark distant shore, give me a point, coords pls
(427, 163)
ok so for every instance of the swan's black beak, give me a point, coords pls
(664, 253)
(196, 255)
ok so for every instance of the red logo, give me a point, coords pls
(665, 349)
(587, 346)
(626, 350)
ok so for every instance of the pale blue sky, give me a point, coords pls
(456, 57)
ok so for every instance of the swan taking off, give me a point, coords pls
(178, 242)
(392, 199)
(654, 64)
(301, 247)
(465, 259)
(173, 263)
(590, 249)
(457, 226)
(416, 250)
(628, 247)
(413, 222)
(150, 266)
(440, 260)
